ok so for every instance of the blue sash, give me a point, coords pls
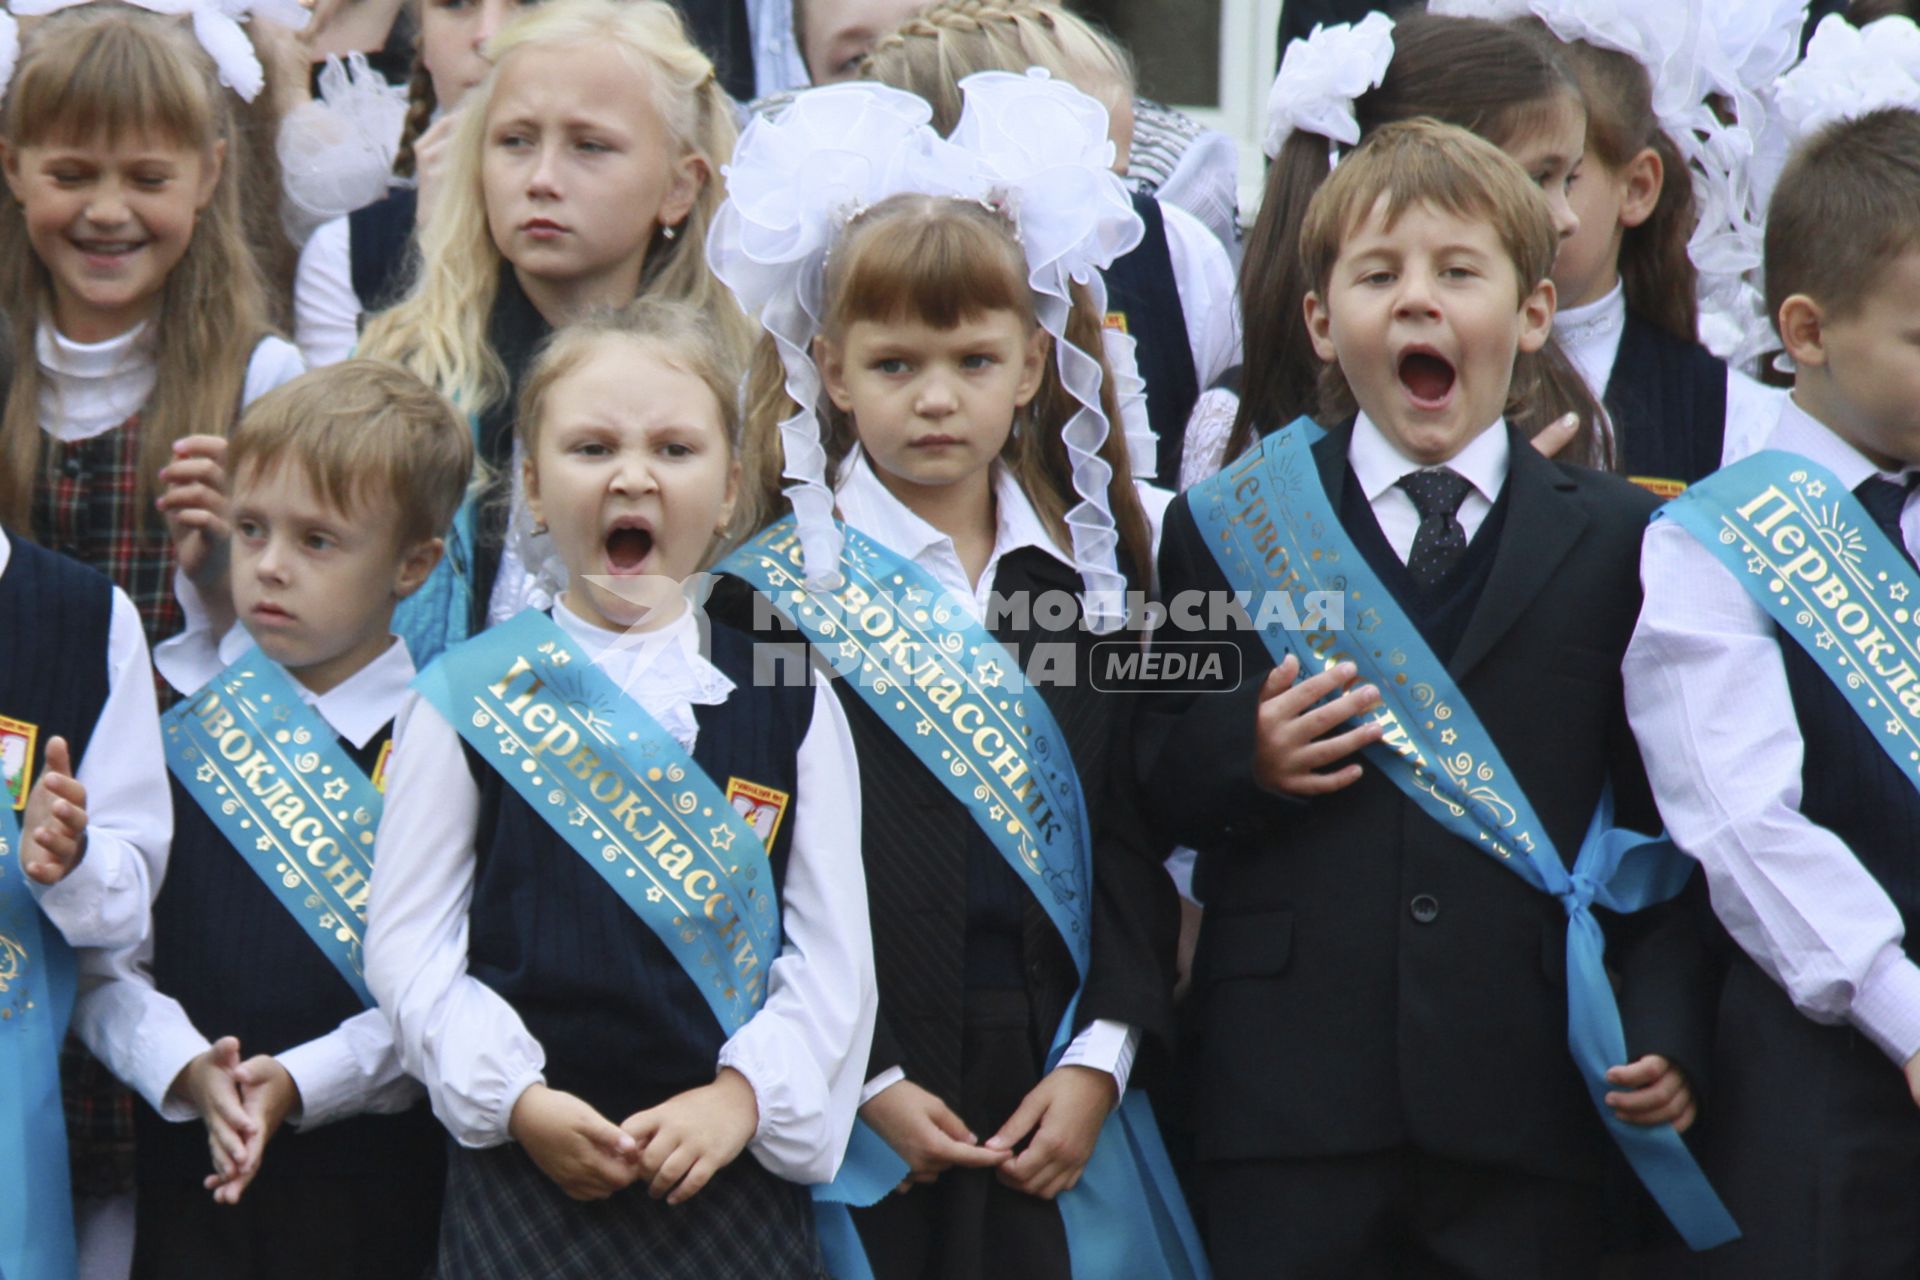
(273, 777)
(624, 795)
(1809, 554)
(954, 696)
(36, 999)
(1270, 525)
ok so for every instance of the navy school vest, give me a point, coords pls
(623, 1026)
(53, 649)
(227, 950)
(1668, 401)
(380, 249)
(721, 30)
(1143, 299)
(1850, 787)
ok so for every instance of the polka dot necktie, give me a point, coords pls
(1884, 500)
(1440, 541)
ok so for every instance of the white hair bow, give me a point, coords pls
(1035, 147)
(1321, 76)
(216, 25)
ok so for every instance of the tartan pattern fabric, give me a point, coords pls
(87, 507)
(506, 1220)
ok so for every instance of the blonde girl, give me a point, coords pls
(583, 172)
(607, 1121)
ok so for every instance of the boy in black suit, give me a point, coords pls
(1382, 1079)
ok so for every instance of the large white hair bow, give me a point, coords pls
(1848, 72)
(1321, 76)
(9, 49)
(1036, 147)
(216, 25)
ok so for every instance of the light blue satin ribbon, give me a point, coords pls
(36, 999)
(917, 660)
(1269, 523)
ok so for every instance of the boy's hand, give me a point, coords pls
(687, 1139)
(925, 1132)
(195, 506)
(207, 1084)
(585, 1154)
(1290, 747)
(1651, 1091)
(1913, 1078)
(1068, 1107)
(55, 823)
(269, 1096)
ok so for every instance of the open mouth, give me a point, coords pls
(628, 547)
(1428, 378)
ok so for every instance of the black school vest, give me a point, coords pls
(1143, 299)
(1852, 789)
(227, 950)
(721, 30)
(380, 249)
(622, 1025)
(1668, 402)
(55, 615)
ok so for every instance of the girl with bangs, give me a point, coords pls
(583, 173)
(943, 434)
(138, 313)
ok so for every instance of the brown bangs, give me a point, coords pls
(942, 261)
(130, 74)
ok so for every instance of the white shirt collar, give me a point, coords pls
(1800, 432)
(357, 708)
(868, 505)
(6, 550)
(1602, 319)
(92, 387)
(1378, 463)
(663, 669)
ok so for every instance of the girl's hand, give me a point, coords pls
(687, 1139)
(430, 162)
(926, 1133)
(585, 1154)
(1064, 1113)
(269, 1096)
(1557, 435)
(1652, 1091)
(196, 508)
(55, 824)
(208, 1085)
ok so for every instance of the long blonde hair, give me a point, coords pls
(109, 70)
(439, 330)
(943, 262)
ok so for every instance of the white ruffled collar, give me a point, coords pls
(664, 670)
(1604, 317)
(91, 387)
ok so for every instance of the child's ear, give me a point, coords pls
(415, 564)
(10, 162)
(1536, 316)
(832, 364)
(730, 500)
(1320, 327)
(1802, 323)
(530, 486)
(1033, 366)
(210, 177)
(690, 177)
(1645, 176)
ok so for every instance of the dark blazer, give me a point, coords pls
(915, 840)
(1364, 979)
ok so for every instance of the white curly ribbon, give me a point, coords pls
(1322, 75)
(9, 49)
(1043, 147)
(337, 149)
(216, 25)
(1031, 145)
(1130, 393)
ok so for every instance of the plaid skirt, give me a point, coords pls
(506, 1220)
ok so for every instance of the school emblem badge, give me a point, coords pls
(17, 741)
(379, 778)
(762, 807)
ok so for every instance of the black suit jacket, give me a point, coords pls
(915, 837)
(1365, 979)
